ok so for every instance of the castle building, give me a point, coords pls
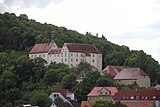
(70, 54)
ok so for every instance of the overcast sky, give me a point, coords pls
(134, 23)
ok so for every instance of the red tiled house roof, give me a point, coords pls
(112, 71)
(138, 103)
(137, 95)
(130, 74)
(87, 103)
(84, 48)
(95, 91)
(40, 48)
(62, 91)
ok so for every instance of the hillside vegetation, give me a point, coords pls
(19, 75)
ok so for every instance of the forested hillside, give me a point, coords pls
(18, 35)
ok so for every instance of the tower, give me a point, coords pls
(52, 43)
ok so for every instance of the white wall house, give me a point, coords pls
(71, 54)
(64, 94)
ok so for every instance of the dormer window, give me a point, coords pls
(137, 97)
(154, 97)
(132, 97)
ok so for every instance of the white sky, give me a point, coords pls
(134, 23)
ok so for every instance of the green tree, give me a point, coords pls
(40, 99)
(89, 82)
(82, 69)
(3, 61)
(104, 82)
(69, 81)
(119, 104)
(39, 69)
(103, 103)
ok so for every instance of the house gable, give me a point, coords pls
(104, 91)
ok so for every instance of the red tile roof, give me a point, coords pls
(55, 51)
(62, 91)
(84, 48)
(87, 103)
(95, 91)
(130, 73)
(112, 71)
(138, 103)
(40, 48)
(137, 95)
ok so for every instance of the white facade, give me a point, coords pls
(72, 59)
(55, 95)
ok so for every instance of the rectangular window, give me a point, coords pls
(65, 60)
(71, 54)
(43, 55)
(93, 60)
(81, 55)
(65, 54)
(93, 55)
(76, 55)
(76, 60)
(71, 60)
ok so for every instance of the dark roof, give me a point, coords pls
(62, 91)
(112, 71)
(40, 48)
(129, 74)
(137, 95)
(69, 103)
(84, 48)
(55, 51)
(95, 91)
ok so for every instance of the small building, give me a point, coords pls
(111, 71)
(133, 76)
(64, 97)
(102, 93)
(64, 94)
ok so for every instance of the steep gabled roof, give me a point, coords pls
(55, 51)
(130, 74)
(84, 48)
(40, 48)
(112, 71)
(95, 91)
(137, 95)
(62, 91)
